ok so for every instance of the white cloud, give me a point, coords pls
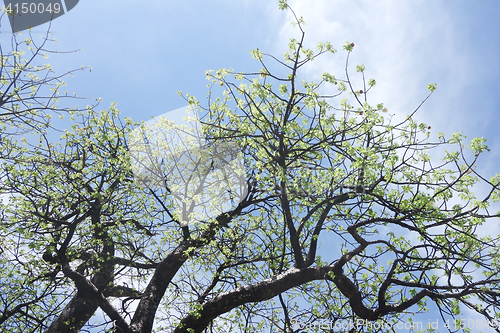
(404, 46)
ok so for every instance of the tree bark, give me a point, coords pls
(144, 317)
(76, 313)
(256, 292)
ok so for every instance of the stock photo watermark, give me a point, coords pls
(348, 325)
(170, 152)
(24, 15)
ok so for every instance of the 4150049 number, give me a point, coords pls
(33, 8)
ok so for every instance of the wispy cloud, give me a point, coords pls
(405, 46)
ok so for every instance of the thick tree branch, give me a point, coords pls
(145, 314)
(85, 287)
(256, 292)
(74, 315)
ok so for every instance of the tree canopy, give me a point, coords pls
(342, 217)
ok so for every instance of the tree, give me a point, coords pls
(400, 229)
(30, 91)
(30, 95)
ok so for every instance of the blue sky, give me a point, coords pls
(142, 53)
